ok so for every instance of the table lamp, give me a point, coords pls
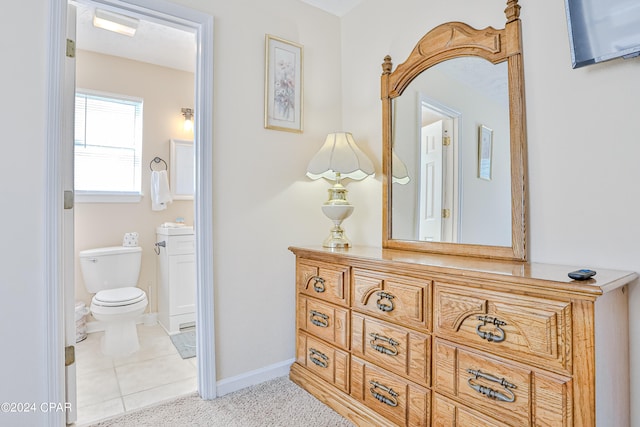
(337, 159)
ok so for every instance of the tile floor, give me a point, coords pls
(110, 386)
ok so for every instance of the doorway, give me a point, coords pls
(439, 197)
(59, 165)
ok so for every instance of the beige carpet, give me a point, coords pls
(275, 403)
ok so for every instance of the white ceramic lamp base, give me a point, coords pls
(337, 213)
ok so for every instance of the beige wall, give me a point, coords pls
(262, 200)
(583, 131)
(23, 290)
(164, 92)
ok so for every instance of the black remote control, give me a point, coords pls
(583, 274)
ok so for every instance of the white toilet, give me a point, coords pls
(112, 275)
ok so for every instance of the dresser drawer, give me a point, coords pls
(329, 282)
(533, 330)
(397, 349)
(324, 320)
(396, 299)
(447, 413)
(509, 391)
(397, 399)
(329, 363)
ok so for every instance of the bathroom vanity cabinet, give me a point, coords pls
(399, 338)
(176, 278)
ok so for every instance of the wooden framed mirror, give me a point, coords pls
(454, 143)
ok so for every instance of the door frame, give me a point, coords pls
(54, 255)
(455, 169)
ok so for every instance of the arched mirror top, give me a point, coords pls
(404, 204)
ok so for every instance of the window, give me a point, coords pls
(108, 147)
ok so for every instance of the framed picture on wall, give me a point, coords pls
(283, 91)
(485, 149)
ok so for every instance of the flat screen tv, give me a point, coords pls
(600, 30)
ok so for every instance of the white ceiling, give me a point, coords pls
(483, 77)
(335, 7)
(153, 42)
(490, 80)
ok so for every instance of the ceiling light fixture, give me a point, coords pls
(115, 22)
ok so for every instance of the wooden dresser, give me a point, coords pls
(389, 337)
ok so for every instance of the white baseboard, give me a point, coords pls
(238, 382)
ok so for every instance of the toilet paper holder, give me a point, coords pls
(157, 246)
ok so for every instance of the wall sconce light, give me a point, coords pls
(339, 158)
(188, 119)
(115, 22)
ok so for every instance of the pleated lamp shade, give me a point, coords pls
(340, 154)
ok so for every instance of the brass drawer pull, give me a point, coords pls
(318, 358)
(318, 284)
(385, 307)
(387, 400)
(490, 336)
(382, 349)
(319, 319)
(507, 396)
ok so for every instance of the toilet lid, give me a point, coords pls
(119, 296)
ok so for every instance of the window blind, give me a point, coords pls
(108, 144)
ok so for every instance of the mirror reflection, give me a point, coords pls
(451, 155)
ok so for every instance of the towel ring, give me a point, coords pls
(157, 160)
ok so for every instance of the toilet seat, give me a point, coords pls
(119, 297)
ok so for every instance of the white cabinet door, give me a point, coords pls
(182, 284)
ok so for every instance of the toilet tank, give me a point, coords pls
(111, 267)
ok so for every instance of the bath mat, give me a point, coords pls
(185, 343)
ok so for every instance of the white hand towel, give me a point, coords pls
(160, 193)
